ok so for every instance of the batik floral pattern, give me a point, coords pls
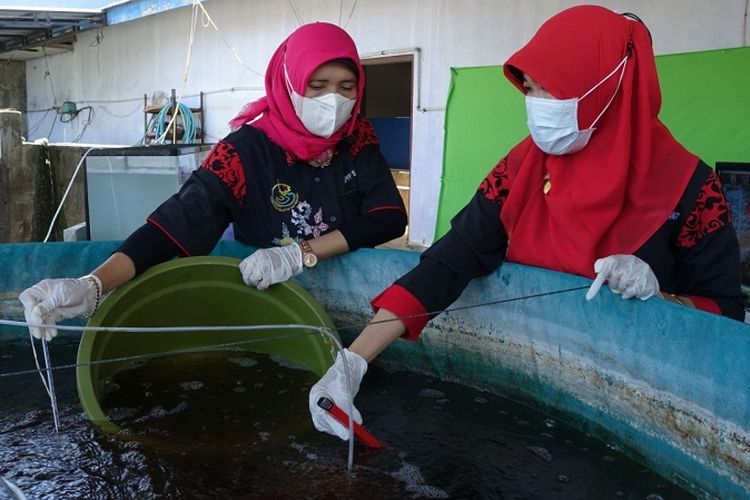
(307, 222)
(225, 163)
(286, 237)
(364, 135)
(711, 212)
(494, 187)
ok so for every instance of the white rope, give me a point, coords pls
(311, 329)
(67, 190)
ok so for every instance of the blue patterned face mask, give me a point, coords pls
(553, 123)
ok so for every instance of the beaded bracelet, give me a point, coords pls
(97, 292)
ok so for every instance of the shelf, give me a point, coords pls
(153, 110)
(150, 111)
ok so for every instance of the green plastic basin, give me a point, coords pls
(196, 291)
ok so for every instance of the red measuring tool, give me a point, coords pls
(343, 418)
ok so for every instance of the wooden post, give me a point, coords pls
(173, 119)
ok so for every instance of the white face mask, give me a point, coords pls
(321, 115)
(553, 123)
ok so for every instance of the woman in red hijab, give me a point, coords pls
(599, 188)
(301, 176)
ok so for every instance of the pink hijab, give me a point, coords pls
(305, 50)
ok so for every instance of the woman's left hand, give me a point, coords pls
(628, 276)
(268, 266)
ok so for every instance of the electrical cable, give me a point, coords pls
(41, 120)
(295, 11)
(206, 22)
(461, 308)
(189, 133)
(97, 42)
(111, 101)
(308, 330)
(52, 127)
(181, 329)
(351, 12)
(210, 22)
(67, 190)
(104, 108)
(74, 115)
(48, 384)
(51, 386)
(49, 74)
(140, 99)
(160, 138)
(60, 116)
(11, 488)
(86, 124)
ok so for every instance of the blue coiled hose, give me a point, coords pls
(162, 121)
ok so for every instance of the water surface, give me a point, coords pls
(236, 425)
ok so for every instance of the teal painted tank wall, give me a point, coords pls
(671, 383)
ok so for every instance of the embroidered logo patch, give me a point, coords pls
(282, 197)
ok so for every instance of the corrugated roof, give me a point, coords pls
(27, 32)
(43, 28)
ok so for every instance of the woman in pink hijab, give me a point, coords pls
(301, 176)
(314, 47)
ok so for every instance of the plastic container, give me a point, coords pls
(196, 291)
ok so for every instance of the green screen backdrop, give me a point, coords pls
(705, 103)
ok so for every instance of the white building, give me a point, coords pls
(144, 53)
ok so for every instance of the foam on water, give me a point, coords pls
(288, 363)
(431, 394)
(193, 385)
(542, 453)
(244, 362)
(415, 483)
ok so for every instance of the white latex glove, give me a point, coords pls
(627, 274)
(52, 300)
(268, 266)
(333, 386)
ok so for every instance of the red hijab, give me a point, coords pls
(615, 193)
(304, 51)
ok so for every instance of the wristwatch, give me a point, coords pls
(309, 259)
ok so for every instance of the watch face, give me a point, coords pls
(309, 259)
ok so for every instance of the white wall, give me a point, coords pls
(149, 54)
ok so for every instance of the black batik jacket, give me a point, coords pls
(273, 198)
(695, 253)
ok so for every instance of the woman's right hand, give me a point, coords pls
(333, 385)
(52, 300)
(384, 328)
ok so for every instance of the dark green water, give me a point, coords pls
(234, 425)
